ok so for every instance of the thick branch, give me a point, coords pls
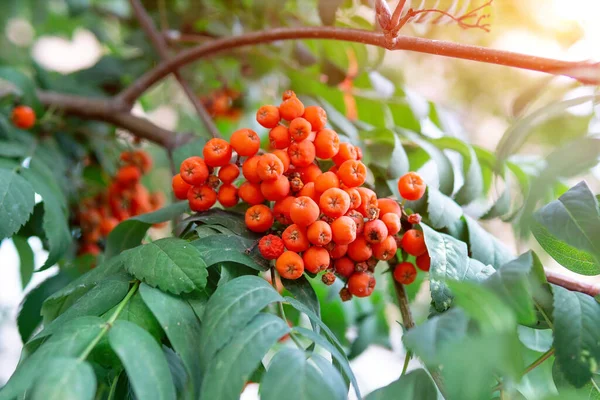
(162, 49)
(103, 110)
(401, 296)
(572, 284)
(579, 70)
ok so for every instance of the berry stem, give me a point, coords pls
(406, 361)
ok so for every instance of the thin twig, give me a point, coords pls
(572, 283)
(531, 367)
(577, 70)
(159, 43)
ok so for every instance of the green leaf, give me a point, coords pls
(232, 221)
(449, 261)
(383, 149)
(216, 249)
(539, 340)
(569, 230)
(174, 265)
(303, 291)
(225, 376)
(442, 211)
(576, 326)
(589, 391)
(55, 222)
(292, 376)
(137, 312)
(485, 247)
(70, 341)
(30, 314)
(16, 202)
(13, 149)
(183, 329)
(66, 379)
(26, 259)
(427, 340)
(144, 361)
(25, 86)
(130, 232)
(229, 309)
(416, 385)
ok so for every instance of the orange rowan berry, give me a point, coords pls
(284, 158)
(344, 266)
(308, 190)
(386, 249)
(424, 262)
(304, 211)
(245, 142)
(327, 144)
(271, 247)
(217, 152)
(352, 173)
(281, 210)
(316, 116)
(180, 187)
(361, 284)
(128, 175)
(388, 206)
(302, 154)
(157, 200)
(259, 218)
(250, 169)
(413, 242)
(229, 173)
(375, 231)
(405, 273)
(275, 190)
(334, 202)
(354, 198)
(347, 151)
(368, 203)
(23, 117)
(251, 193)
(343, 230)
(392, 223)
(107, 225)
(358, 219)
(316, 259)
(295, 238)
(279, 137)
(414, 218)
(319, 233)
(201, 198)
(359, 250)
(268, 116)
(228, 195)
(299, 129)
(326, 181)
(328, 278)
(411, 186)
(290, 265)
(291, 108)
(309, 173)
(359, 153)
(194, 171)
(336, 250)
(287, 94)
(269, 167)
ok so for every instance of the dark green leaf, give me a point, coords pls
(589, 391)
(232, 221)
(144, 361)
(26, 266)
(442, 211)
(215, 249)
(416, 385)
(576, 326)
(171, 264)
(130, 232)
(16, 202)
(303, 291)
(485, 247)
(13, 149)
(65, 379)
(137, 312)
(292, 376)
(225, 376)
(229, 309)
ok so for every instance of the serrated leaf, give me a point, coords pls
(183, 329)
(143, 360)
(130, 232)
(485, 247)
(292, 376)
(171, 264)
(66, 379)
(229, 309)
(569, 230)
(303, 291)
(416, 385)
(449, 261)
(26, 259)
(225, 376)
(16, 202)
(576, 326)
(216, 249)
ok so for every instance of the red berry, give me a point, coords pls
(271, 247)
(405, 273)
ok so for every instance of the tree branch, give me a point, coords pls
(587, 72)
(162, 49)
(573, 284)
(105, 111)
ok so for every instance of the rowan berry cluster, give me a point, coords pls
(314, 220)
(23, 117)
(125, 197)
